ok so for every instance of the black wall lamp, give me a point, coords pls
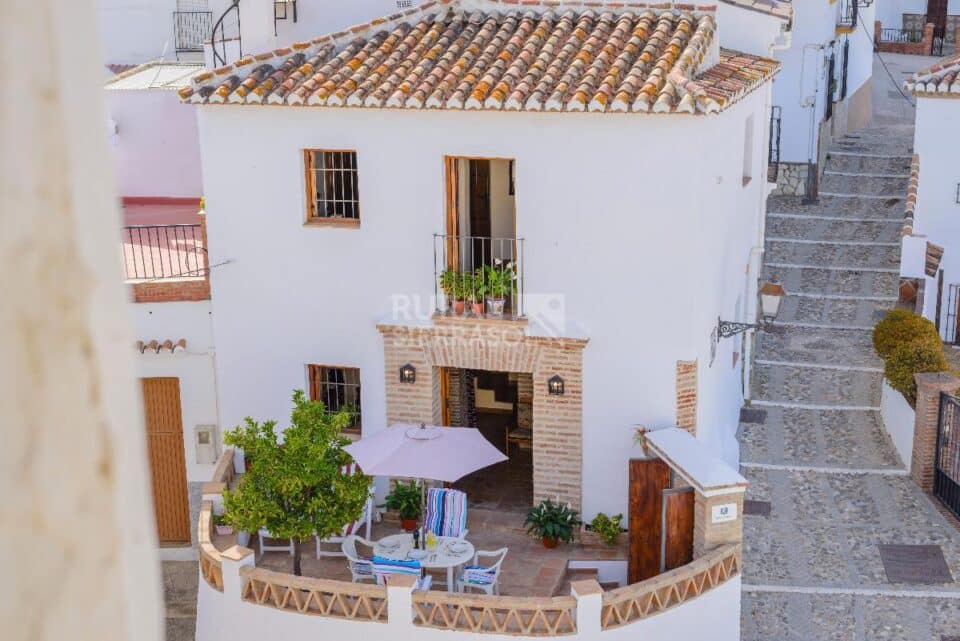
(555, 385)
(408, 374)
(771, 295)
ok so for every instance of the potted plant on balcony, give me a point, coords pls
(223, 528)
(451, 282)
(405, 498)
(477, 290)
(499, 281)
(552, 523)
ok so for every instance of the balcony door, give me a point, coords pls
(481, 212)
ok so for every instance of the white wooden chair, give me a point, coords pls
(483, 577)
(349, 529)
(360, 569)
(265, 537)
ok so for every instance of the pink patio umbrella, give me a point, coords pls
(425, 452)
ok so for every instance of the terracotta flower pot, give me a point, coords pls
(458, 306)
(550, 543)
(408, 525)
(476, 309)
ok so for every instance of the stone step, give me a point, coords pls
(574, 574)
(833, 207)
(800, 226)
(846, 161)
(817, 346)
(853, 183)
(788, 383)
(837, 280)
(783, 250)
(800, 306)
(816, 438)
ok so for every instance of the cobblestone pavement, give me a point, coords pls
(180, 595)
(815, 446)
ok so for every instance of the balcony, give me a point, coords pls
(478, 277)
(190, 30)
(848, 16)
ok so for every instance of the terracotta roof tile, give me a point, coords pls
(635, 59)
(942, 79)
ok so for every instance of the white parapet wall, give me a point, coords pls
(898, 418)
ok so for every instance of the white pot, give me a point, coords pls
(243, 539)
(495, 306)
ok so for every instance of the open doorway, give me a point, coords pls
(481, 230)
(500, 405)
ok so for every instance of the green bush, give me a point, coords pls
(911, 358)
(607, 527)
(901, 326)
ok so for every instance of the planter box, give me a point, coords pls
(898, 419)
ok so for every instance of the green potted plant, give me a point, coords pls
(451, 282)
(499, 281)
(607, 528)
(405, 499)
(220, 523)
(476, 291)
(552, 523)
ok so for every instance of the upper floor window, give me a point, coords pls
(339, 389)
(332, 188)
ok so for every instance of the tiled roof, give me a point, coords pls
(942, 78)
(782, 10)
(155, 75)
(932, 259)
(438, 57)
(911, 208)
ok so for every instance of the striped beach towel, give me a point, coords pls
(384, 567)
(446, 512)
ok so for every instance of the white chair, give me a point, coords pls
(483, 577)
(265, 536)
(360, 569)
(349, 529)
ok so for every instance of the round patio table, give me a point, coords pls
(440, 557)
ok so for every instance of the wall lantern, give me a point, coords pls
(771, 295)
(408, 374)
(555, 385)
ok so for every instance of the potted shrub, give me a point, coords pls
(476, 292)
(405, 499)
(607, 528)
(499, 281)
(220, 524)
(451, 282)
(552, 523)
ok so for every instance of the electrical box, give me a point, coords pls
(207, 440)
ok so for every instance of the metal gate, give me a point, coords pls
(948, 332)
(946, 478)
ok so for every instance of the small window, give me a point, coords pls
(332, 188)
(339, 389)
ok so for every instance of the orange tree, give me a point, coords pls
(294, 486)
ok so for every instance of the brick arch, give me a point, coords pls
(497, 346)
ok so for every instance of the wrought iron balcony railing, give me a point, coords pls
(152, 252)
(191, 29)
(478, 276)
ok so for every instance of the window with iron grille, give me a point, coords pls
(332, 187)
(339, 389)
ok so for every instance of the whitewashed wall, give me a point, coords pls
(641, 225)
(938, 213)
(714, 615)
(194, 367)
(898, 418)
(156, 147)
(135, 31)
(890, 12)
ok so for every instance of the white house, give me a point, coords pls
(156, 149)
(625, 148)
(931, 231)
(823, 90)
(910, 17)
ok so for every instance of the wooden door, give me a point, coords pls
(676, 546)
(480, 224)
(648, 479)
(937, 14)
(161, 411)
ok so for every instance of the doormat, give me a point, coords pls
(756, 508)
(914, 564)
(752, 415)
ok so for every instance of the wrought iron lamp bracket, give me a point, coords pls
(726, 329)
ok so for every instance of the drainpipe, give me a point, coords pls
(810, 102)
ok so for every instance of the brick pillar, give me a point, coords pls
(686, 382)
(710, 532)
(927, 45)
(929, 387)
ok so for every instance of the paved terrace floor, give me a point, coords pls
(817, 451)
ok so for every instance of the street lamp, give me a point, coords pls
(771, 295)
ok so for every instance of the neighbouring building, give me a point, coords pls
(156, 150)
(922, 27)
(930, 263)
(824, 89)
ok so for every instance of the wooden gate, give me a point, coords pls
(161, 411)
(648, 479)
(676, 545)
